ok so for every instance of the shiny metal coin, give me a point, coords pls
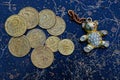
(66, 47)
(47, 18)
(42, 57)
(36, 37)
(58, 28)
(52, 43)
(31, 15)
(15, 25)
(19, 46)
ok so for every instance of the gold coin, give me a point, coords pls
(31, 15)
(42, 57)
(47, 19)
(58, 28)
(66, 47)
(52, 43)
(15, 25)
(19, 46)
(36, 37)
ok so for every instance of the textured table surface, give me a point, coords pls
(100, 64)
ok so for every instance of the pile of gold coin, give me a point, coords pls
(20, 44)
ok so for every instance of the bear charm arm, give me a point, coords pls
(103, 32)
(83, 38)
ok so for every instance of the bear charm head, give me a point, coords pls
(90, 25)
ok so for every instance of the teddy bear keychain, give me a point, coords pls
(93, 36)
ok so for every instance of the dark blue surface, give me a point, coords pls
(100, 64)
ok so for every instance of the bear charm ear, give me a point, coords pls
(96, 22)
(83, 25)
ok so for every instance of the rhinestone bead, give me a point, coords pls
(94, 38)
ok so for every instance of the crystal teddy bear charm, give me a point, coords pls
(93, 37)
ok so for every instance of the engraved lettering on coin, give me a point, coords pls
(36, 37)
(15, 25)
(58, 28)
(19, 46)
(42, 57)
(52, 43)
(66, 47)
(47, 18)
(31, 15)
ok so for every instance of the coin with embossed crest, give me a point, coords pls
(47, 18)
(58, 28)
(19, 46)
(15, 25)
(42, 57)
(52, 43)
(31, 15)
(66, 47)
(36, 37)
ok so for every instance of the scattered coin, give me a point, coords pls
(19, 46)
(42, 57)
(15, 25)
(58, 28)
(47, 18)
(66, 47)
(36, 37)
(31, 15)
(52, 43)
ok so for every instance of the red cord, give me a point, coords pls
(75, 17)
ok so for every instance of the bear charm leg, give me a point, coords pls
(105, 43)
(88, 48)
